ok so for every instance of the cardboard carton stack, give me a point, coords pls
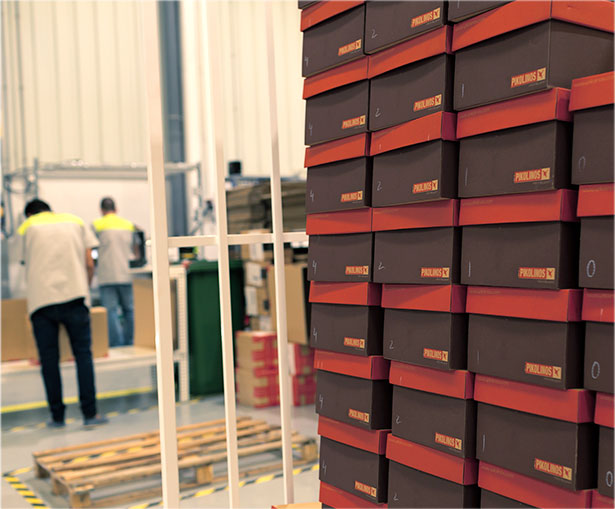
(591, 102)
(256, 371)
(440, 147)
(514, 67)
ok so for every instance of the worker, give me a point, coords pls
(59, 268)
(116, 249)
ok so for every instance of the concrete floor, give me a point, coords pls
(22, 433)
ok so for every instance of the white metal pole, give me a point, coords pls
(279, 270)
(160, 254)
(214, 132)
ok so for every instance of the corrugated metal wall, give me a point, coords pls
(74, 69)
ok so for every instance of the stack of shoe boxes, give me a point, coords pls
(446, 288)
(353, 396)
(514, 67)
(591, 101)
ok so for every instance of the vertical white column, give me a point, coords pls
(160, 254)
(280, 276)
(214, 134)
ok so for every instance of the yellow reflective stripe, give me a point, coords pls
(113, 222)
(43, 218)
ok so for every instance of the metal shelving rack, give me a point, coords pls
(212, 139)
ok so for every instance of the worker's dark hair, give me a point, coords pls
(35, 207)
(107, 204)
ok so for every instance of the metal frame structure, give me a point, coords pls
(213, 142)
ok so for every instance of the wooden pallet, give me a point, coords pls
(80, 471)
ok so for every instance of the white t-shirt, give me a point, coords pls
(54, 247)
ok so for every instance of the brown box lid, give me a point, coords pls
(410, 92)
(358, 294)
(421, 256)
(409, 487)
(528, 490)
(605, 462)
(426, 338)
(462, 471)
(592, 146)
(458, 10)
(596, 253)
(357, 401)
(359, 472)
(531, 351)
(334, 41)
(557, 452)
(440, 422)
(598, 305)
(599, 351)
(388, 23)
(355, 330)
(337, 113)
(524, 255)
(495, 501)
(343, 185)
(573, 405)
(450, 299)
(544, 55)
(340, 258)
(519, 160)
(423, 172)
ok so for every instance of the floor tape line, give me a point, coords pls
(26, 493)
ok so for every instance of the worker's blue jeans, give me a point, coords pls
(114, 298)
(75, 316)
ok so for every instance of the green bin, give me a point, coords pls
(204, 329)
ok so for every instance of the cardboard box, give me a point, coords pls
(428, 256)
(592, 146)
(257, 301)
(557, 452)
(494, 501)
(599, 351)
(523, 255)
(423, 172)
(412, 488)
(357, 401)
(297, 308)
(356, 471)
(341, 258)
(261, 323)
(388, 23)
(524, 159)
(145, 327)
(440, 422)
(256, 350)
(426, 338)
(356, 330)
(537, 57)
(18, 341)
(337, 114)
(411, 92)
(255, 273)
(531, 351)
(605, 462)
(260, 388)
(460, 10)
(343, 185)
(334, 41)
(596, 253)
(300, 360)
